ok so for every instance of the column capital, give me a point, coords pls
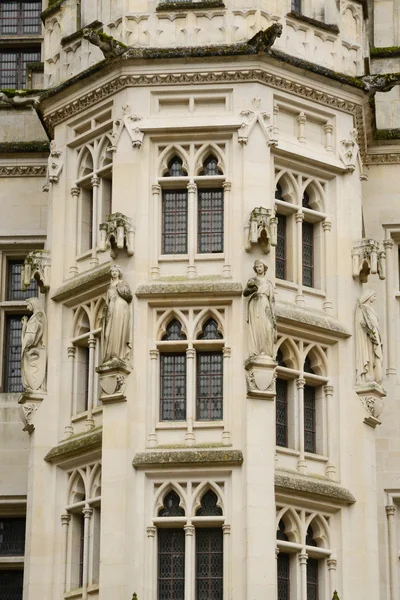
(303, 558)
(192, 187)
(227, 186)
(227, 352)
(300, 383)
(190, 353)
(390, 510)
(75, 191)
(92, 342)
(332, 564)
(326, 225)
(95, 181)
(65, 518)
(328, 128)
(226, 529)
(156, 189)
(299, 217)
(87, 512)
(151, 531)
(189, 530)
(328, 390)
(388, 244)
(154, 354)
(301, 118)
(71, 351)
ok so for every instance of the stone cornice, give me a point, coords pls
(316, 320)
(186, 458)
(312, 487)
(178, 287)
(96, 279)
(23, 170)
(76, 446)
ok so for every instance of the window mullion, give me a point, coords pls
(189, 562)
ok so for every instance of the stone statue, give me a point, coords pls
(261, 312)
(33, 351)
(116, 331)
(369, 355)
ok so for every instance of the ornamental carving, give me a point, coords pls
(130, 122)
(37, 266)
(54, 166)
(261, 229)
(23, 170)
(27, 412)
(265, 120)
(349, 151)
(368, 258)
(116, 325)
(117, 233)
(369, 347)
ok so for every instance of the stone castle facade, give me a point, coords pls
(215, 417)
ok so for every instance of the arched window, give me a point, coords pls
(173, 376)
(209, 376)
(210, 331)
(209, 506)
(210, 167)
(175, 212)
(174, 331)
(171, 506)
(280, 533)
(175, 168)
(210, 211)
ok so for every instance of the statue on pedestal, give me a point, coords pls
(33, 351)
(116, 332)
(261, 313)
(369, 354)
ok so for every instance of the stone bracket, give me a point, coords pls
(113, 377)
(116, 233)
(368, 258)
(260, 377)
(371, 396)
(130, 122)
(29, 403)
(37, 266)
(265, 120)
(261, 228)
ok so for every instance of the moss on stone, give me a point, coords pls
(187, 457)
(76, 444)
(35, 67)
(163, 6)
(80, 283)
(385, 52)
(78, 34)
(23, 147)
(10, 93)
(387, 134)
(54, 6)
(108, 38)
(320, 24)
(190, 287)
(312, 485)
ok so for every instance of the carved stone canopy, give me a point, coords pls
(116, 233)
(261, 229)
(371, 396)
(368, 259)
(37, 266)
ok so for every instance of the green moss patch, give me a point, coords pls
(54, 6)
(386, 52)
(163, 6)
(78, 34)
(76, 444)
(23, 147)
(320, 24)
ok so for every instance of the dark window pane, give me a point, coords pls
(310, 537)
(14, 291)
(312, 579)
(308, 254)
(20, 18)
(209, 386)
(309, 419)
(174, 331)
(174, 221)
(12, 536)
(175, 168)
(283, 576)
(279, 358)
(81, 548)
(278, 192)
(280, 250)
(13, 66)
(209, 506)
(210, 331)
(11, 584)
(12, 378)
(280, 534)
(282, 412)
(307, 368)
(306, 200)
(210, 221)
(296, 6)
(171, 564)
(209, 564)
(171, 506)
(173, 386)
(210, 167)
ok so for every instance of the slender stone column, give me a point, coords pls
(390, 314)
(332, 566)
(301, 463)
(303, 557)
(95, 181)
(75, 192)
(192, 238)
(152, 405)
(226, 434)
(328, 129)
(226, 530)
(301, 122)
(329, 428)
(329, 270)
(226, 270)
(190, 395)
(393, 552)
(87, 513)
(92, 354)
(299, 217)
(65, 521)
(150, 579)
(189, 561)
(276, 572)
(155, 220)
(69, 430)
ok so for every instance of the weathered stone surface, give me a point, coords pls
(76, 445)
(315, 319)
(177, 458)
(181, 286)
(99, 276)
(312, 486)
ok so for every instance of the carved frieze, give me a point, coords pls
(23, 170)
(116, 233)
(368, 259)
(37, 266)
(261, 229)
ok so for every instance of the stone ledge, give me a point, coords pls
(24, 147)
(320, 24)
(182, 6)
(75, 446)
(54, 6)
(77, 35)
(315, 319)
(80, 283)
(311, 486)
(166, 288)
(184, 458)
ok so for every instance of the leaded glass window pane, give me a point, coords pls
(12, 536)
(81, 547)
(209, 564)
(174, 331)
(175, 168)
(171, 564)
(283, 568)
(11, 584)
(279, 358)
(210, 221)
(171, 506)
(308, 254)
(209, 386)
(280, 534)
(13, 67)
(14, 291)
(312, 579)
(174, 221)
(210, 167)
(20, 18)
(309, 419)
(12, 379)
(209, 506)
(280, 250)
(210, 331)
(173, 386)
(282, 413)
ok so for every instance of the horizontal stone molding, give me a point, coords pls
(189, 288)
(97, 279)
(312, 318)
(184, 458)
(23, 170)
(81, 444)
(312, 487)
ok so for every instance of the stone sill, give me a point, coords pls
(75, 446)
(309, 486)
(81, 283)
(320, 24)
(185, 458)
(181, 6)
(313, 318)
(77, 35)
(193, 287)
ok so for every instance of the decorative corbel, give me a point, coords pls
(261, 229)
(36, 266)
(54, 166)
(265, 120)
(116, 233)
(368, 258)
(130, 122)
(350, 155)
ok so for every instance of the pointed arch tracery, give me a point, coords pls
(168, 154)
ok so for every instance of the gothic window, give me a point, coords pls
(20, 17)
(210, 331)
(307, 368)
(282, 413)
(175, 168)
(280, 533)
(210, 167)
(209, 564)
(309, 419)
(280, 250)
(171, 564)
(173, 386)
(171, 506)
(210, 221)
(12, 536)
(283, 576)
(14, 283)
(174, 221)
(312, 579)
(11, 584)
(13, 65)
(209, 506)
(12, 379)
(308, 254)
(174, 331)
